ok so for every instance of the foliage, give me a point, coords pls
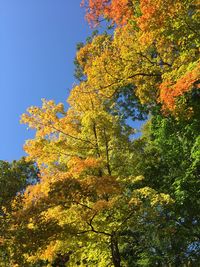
(104, 197)
(165, 156)
(155, 48)
(14, 177)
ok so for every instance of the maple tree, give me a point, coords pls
(85, 176)
(14, 178)
(105, 198)
(156, 50)
(82, 154)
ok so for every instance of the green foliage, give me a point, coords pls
(168, 158)
(14, 178)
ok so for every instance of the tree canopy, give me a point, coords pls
(104, 196)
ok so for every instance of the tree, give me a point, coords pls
(14, 177)
(167, 157)
(88, 197)
(156, 49)
(104, 198)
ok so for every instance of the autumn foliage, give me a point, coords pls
(104, 196)
(120, 11)
(169, 92)
(169, 29)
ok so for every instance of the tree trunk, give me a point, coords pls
(115, 251)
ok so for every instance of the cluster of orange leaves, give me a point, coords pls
(77, 165)
(155, 13)
(169, 92)
(120, 11)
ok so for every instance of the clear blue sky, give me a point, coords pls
(37, 48)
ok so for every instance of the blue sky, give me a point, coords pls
(37, 48)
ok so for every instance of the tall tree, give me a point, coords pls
(88, 200)
(155, 48)
(103, 198)
(14, 177)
